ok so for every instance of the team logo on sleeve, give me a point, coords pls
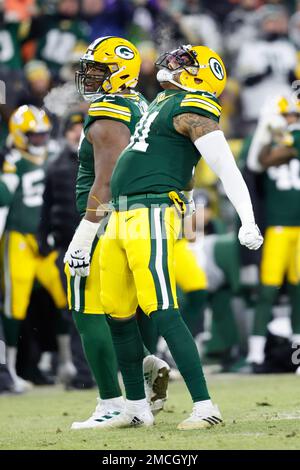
(124, 52)
(216, 68)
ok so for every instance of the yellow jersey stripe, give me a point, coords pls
(110, 105)
(201, 105)
(205, 98)
(107, 113)
(196, 100)
(101, 108)
(132, 96)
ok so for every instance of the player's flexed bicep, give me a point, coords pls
(212, 145)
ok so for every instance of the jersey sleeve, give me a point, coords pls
(198, 103)
(109, 107)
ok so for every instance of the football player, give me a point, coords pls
(21, 191)
(137, 253)
(275, 152)
(107, 78)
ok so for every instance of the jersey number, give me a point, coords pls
(138, 140)
(58, 45)
(286, 176)
(33, 188)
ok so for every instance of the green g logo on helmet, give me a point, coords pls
(124, 52)
(216, 68)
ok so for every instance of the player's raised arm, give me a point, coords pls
(212, 145)
(276, 156)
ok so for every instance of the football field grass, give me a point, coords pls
(261, 412)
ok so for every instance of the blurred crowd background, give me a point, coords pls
(40, 46)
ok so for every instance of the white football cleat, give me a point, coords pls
(202, 419)
(105, 410)
(298, 371)
(156, 381)
(131, 416)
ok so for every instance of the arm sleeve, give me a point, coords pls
(217, 154)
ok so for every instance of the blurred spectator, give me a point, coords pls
(60, 218)
(67, 71)
(199, 27)
(230, 102)
(11, 34)
(220, 8)
(57, 34)
(266, 67)
(19, 10)
(294, 29)
(148, 85)
(107, 17)
(155, 20)
(38, 83)
(241, 26)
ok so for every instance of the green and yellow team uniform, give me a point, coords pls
(282, 210)
(84, 293)
(21, 190)
(137, 255)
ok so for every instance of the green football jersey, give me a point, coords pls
(128, 109)
(158, 159)
(22, 185)
(59, 40)
(11, 35)
(282, 189)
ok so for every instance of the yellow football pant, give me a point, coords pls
(137, 265)
(280, 256)
(189, 275)
(84, 292)
(21, 265)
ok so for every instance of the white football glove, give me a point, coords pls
(78, 254)
(79, 262)
(250, 236)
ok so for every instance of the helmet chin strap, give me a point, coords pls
(165, 75)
